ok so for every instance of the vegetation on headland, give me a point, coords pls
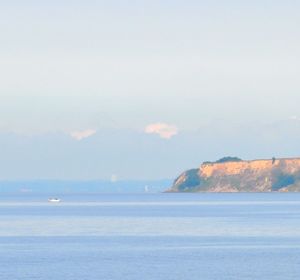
(224, 159)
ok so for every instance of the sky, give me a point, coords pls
(145, 89)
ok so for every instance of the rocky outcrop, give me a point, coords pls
(267, 175)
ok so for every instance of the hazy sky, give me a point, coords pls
(145, 89)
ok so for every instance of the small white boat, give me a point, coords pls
(54, 200)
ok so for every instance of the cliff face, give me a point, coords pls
(242, 176)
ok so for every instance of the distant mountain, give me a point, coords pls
(95, 186)
(232, 174)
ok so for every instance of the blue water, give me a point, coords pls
(150, 236)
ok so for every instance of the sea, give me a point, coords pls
(159, 236)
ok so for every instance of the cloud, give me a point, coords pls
(82, 134)
(294, 118)
(164, 130)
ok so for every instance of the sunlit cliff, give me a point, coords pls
(241, 176)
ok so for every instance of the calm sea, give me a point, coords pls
(150, 236)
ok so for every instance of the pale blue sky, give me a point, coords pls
(90, 76)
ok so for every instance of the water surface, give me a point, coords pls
(150, 236)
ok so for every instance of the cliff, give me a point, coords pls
(242, 176)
